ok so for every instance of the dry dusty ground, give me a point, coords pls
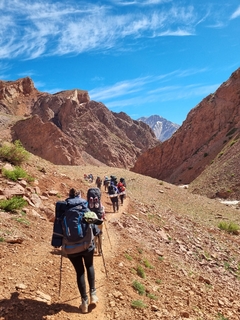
(191, 268)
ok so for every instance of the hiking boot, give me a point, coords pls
(84, 306)
(91, 204)
(96, 204)
(93, 297)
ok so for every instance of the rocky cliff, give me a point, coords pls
(68, 128)
(17, 97)
(210, 129)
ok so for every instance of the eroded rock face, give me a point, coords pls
(47, 141)
(17, 97)
(209, 127)
(68, 128)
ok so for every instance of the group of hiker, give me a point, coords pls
(78, 231)
(115, 189)
(88, 177)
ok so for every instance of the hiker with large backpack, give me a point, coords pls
(122, 180)
(78, 226)
(113, 194)
(122, 191)
(95, 205)
(113, 180)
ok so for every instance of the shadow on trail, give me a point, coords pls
(17, 308)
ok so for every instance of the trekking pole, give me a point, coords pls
(102, 256)
(108, 234)
(60, 280)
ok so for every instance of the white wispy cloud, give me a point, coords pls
(4, 68)
(139, 2)
(136, 91)
(121, 88)
(30, 29)
(161, 95)
(236, 14)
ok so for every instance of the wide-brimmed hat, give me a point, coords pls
(91, 217)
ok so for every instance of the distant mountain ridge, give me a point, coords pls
(162, 127)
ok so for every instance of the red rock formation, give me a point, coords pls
(69, 128)
(47, 141)
(194, 146)
(17, 97)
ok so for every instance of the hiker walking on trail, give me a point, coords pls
(85, 257)
(106, 183)
(90, 177)
(113, 194)
(95, 205)
(121, 190)
(99, 182)
(122, 180)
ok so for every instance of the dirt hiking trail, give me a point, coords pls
(191, 267)
(109, 247)
(33, 283)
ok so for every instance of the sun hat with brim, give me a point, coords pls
(91, 217)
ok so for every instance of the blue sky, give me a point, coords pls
(140, 57)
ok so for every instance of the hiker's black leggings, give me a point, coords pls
(77, 262)
(115, 203)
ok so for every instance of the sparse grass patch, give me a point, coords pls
(230, 227)
(127, 256)
(13, 204)
(2, 239)
(221, 317)
(140, 250)
(158, 281)
(16, 174)
(161, 258)
(22, 219)
(208, 286)
(138, 304)
(134, 271)
(227, 265)
(14, 153)
(207, 255)
(139, 287)
(147, 264)
(152, 296)
(141, 272)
